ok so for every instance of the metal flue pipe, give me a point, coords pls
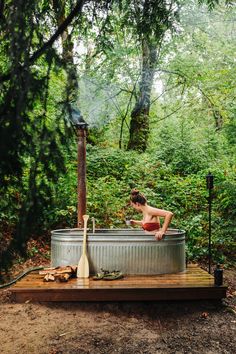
(81, 210)
(81, 129)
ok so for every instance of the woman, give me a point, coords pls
(151, 216)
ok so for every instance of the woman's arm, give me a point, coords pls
(167, 219)
(159, 234)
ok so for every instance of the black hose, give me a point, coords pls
(27, 271)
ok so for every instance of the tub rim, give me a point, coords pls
(115, 235)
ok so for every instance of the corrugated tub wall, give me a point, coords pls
(131, 251)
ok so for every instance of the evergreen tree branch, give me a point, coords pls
(77, 10)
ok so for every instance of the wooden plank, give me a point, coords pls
(120, 295)
(195, 283)
(107, 284)
(117, 286)
(36, 277)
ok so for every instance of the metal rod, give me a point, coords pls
(81, 176)
(210, 186)
(209, 240)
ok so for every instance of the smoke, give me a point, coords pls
(98, 101)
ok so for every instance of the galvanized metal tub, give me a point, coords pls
(130, 250)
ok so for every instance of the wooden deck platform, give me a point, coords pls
(193, 284)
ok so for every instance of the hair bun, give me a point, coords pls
(134, 192)
(137, 197)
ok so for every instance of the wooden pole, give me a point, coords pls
(81, 177)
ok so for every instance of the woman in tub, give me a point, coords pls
(151, 215)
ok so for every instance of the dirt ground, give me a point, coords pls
(207, 327)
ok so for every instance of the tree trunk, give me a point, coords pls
(139, 124)
(67, 54)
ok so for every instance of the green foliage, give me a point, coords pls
(112, 173)
(178, 147)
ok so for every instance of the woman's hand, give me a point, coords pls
(159, 235)
(135, 222)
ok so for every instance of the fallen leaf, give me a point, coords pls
(204, 315)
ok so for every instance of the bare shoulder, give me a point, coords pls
(158, 212)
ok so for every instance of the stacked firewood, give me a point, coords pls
(62, 274)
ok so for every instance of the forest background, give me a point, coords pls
(155, 81)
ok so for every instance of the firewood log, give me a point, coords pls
(49, 277)
(63, 277)
(58, 270)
